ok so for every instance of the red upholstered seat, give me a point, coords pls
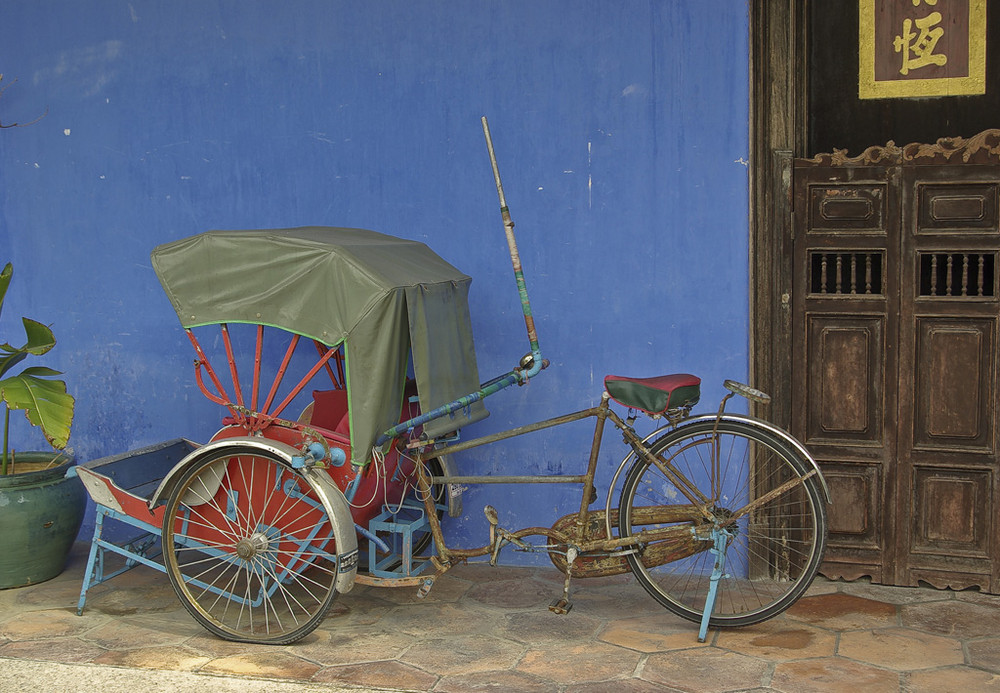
(330, 411)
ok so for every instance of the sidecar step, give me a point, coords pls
(397, 527)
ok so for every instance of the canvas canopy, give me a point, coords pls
(378, 295)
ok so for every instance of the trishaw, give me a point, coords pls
(720, 517)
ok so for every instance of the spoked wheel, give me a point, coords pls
(249, 548)
(771, 519)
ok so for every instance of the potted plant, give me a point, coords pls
(41, 506)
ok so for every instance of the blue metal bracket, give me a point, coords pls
(720, 541)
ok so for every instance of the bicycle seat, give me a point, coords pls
(654, 395)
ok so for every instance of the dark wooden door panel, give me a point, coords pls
(895, 323)
(841, 324)
(844, 393)
(953, 384)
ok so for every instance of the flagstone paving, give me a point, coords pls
(488, 629)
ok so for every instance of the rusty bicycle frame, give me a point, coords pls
(586, 538)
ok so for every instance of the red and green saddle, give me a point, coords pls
(655, 395)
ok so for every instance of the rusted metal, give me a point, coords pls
(504, 435)
(665, 544)
(515, 258)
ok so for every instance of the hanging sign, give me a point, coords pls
(920, 48)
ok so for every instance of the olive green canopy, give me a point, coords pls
(379, 295)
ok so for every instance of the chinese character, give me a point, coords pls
(920, 46)
(916, 3)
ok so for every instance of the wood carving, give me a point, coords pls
(983, 148)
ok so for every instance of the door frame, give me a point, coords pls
(777, 134)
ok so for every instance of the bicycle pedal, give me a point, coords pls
(561, 606)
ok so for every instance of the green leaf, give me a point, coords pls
(5, 275)
(40, 340)
(45, 403)
(40, 337)
(10, 360)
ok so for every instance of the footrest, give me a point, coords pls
(397, 528)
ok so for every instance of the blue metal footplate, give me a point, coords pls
(397, 527)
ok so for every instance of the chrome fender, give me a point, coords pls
(784, 435)
(330, 496)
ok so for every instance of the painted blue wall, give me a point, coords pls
(621, 133)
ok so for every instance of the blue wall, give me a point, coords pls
(621, 133)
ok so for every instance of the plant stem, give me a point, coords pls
(6, 432)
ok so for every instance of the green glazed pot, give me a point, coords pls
(40, 515)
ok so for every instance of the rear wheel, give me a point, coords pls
(774, 544)
(249, 548)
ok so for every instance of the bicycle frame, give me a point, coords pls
(579, 537)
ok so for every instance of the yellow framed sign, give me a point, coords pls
(921, 48)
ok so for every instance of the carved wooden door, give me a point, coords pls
(894, 332)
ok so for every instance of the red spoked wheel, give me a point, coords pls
(249, 548)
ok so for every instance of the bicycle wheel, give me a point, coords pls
(249, 548)
(775, 543)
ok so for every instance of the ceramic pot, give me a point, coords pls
(40, 516)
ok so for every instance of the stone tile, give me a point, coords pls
(512, 594)
(613, 601)
(52, 593)
(348, 646)
(356, 608)
(536, 626)
(952, 679)
(493, 682)
(142, 595)
(169, 658)
(430, 620)
(901, 649)
(273, 663)
(383, 674)
(985, 654)
(578, 662)
(47, 623)
(952, 617)
(213, 647)
(446, 589)
(977, 597)
(832, 675)
(822, 585)
(481, 571)
(620, 686)
(65, 650)
(778, 640)
(839, 611)
(706, 670)
(893, 595)
(122, 634)
(659, 633)
(462, 654)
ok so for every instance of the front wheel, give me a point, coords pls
(249, 548)
(771, 515)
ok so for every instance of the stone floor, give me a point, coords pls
(488, 629)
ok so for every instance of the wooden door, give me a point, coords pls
(894, 334)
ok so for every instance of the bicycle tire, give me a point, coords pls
(248, 547)
(777, 547)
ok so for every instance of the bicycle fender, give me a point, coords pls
(779, 432)
(330, 496)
